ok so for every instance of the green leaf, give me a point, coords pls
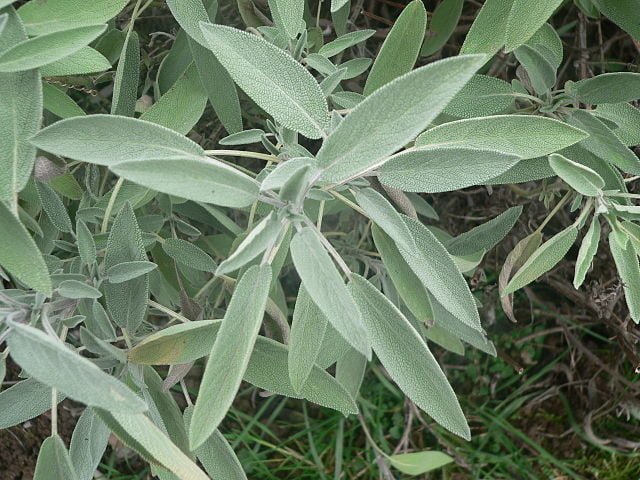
(53, 461)
(23, 401)
(442, 169)
(480, 97)
(540, 69)
(125, 271)
(177, 344)
(525, 19)
(261, 237)
(202, 180)
(272, 78)
(400, 49)
(385, 216)
(626, 118)
(626, 260)
(343, 42)
(579, 177)
(59, 103)
(305, 341)
(544, 259)
(608, 88)
(486, 236)
(181, 106)
(109, 139)
(603, 143)
(19, 254)
(268, 370)
(39, 51)
(189, 14)
(125, 84)
(487, 31)
(443, 23)
(623, 13)
(288, 13)
(364, 139)
(63, 369)
(53, 15)
(437, 271)
(327, 289)
(86, 244)
(127, 301)
(85, 61)
(253, 135)
(138, 432)
(21, 107)
(216, 455)
(88, 444)
(76, 289)
(350, 370)
(587, 252)
(54, 208)
(527, 136)
(188, 254)
(419, 462)
(407, 358)
(230, 354)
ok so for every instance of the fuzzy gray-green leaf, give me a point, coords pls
(587, 252)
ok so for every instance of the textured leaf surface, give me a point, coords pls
(526, 136)
(419, 462)
(480, 97)
(88, 444)
(486, 236)
(622, 12)
(126, 301)
(230, 354)
(587, 252)
(344, 41)
(407, 358)
(608, 88)
(39, 51)
(53, 15)
(53, 461)
(327, 289)
(109, 139)
(400, 49)
(272, 78)
(289, 13)
(444, 20)
(363, 139)
(525, 19)
(580, 177)
(19, 254)
(59, 103)
(84, 61)
(188, 254)
(125, 271)
(125, 84)
(544, 259)
(487, 31)
(75, 376)
(23, 401)
(626, 260)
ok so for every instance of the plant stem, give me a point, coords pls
(168, 311)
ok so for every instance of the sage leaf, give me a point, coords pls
(83, 62)
(59, 103)
(579, 177)
(588, 250)
(54, 208)
(261, 237)
(189, 14)
(481, 97)
(487, 31)
(283, 172)
(253, 135)
(527, 136)
(75, 376)
(268, 370)
(343, 42)
(350, 370)
(88, 444)
(23, 401)
(216, 455)
(188, 254)
(363, 139)
(544, 259)
(273, 79)
(407, 358)
(625, 116)
(20, 255)
(622, 13)
(86, 244)
(76, 290)
(525, 19)
(125, 85)
(437, 271)
(400, 49)
(230, 354)
(53, 461)
(419, 462)
(126, 301)
(138, 432)
(289, 14)
(109, 139)
(385, 216)
(327, 289)
(626, 260)
(125, 271)
(202, 180)
(45, 49)
(54, 15)
(538, 65)
(442, 169)
(307, 331)
(443, 23)
(486, 236)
